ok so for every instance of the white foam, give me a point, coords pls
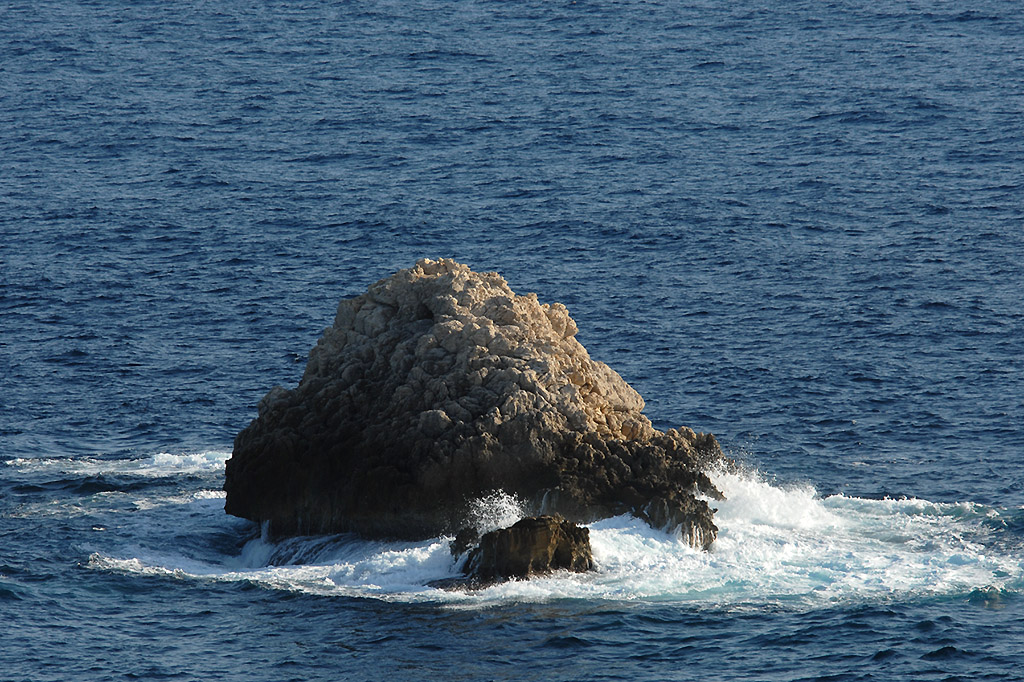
(164, 462)
(350, 568)
(160, 464)
(154, 501)
(208, 465)
(776, 546)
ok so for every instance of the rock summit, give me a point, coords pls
(440, 385)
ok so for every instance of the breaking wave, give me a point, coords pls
(777, 546)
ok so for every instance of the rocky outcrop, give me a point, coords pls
(439, 385)
(535, 545)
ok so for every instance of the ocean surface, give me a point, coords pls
(799, 226)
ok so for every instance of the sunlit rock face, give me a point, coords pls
(439, 385)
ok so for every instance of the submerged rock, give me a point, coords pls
(439, 385)
(532, 546)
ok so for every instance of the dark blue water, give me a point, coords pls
(799, 227)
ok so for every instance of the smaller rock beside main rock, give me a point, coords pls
(536, 545)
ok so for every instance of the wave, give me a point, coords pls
(777, 546)
(108, 490)
(160, 464)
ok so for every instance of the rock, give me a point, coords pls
(532, 546)
(440, 385)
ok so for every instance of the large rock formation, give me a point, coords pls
(439, 385)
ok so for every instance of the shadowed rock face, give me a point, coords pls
(439, 385)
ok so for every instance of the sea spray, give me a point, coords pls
(495, 510)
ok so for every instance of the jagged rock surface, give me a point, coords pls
(532, 546)
(439, 385)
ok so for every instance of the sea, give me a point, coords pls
(798, 226)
